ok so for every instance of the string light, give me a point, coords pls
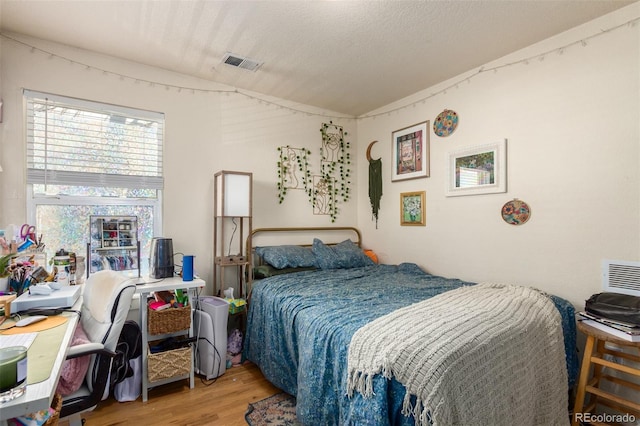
(261, 101)
(525, 61)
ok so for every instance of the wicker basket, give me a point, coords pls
(169, 320)
(173, 363)
(56, 404)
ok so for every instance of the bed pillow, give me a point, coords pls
(343, 255)
(372, 255)
(287, 256)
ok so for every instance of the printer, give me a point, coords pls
(62, 298)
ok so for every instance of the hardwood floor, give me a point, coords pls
(222, 402)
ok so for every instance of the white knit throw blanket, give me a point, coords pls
(488, 354)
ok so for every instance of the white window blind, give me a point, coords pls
(78, 142)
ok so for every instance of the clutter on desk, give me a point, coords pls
(19, 276)
(23, 263)
(26, 270)
(14, 239)
(62, 265)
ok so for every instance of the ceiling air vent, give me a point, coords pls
(619, 276)
(241, 62)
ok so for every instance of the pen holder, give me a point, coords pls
(19, 286)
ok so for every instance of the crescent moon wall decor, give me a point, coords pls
(369, 150)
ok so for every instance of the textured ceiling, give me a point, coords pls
(346, 56)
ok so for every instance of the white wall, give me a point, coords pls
(572, 121)
(572, 124)
(205, 132)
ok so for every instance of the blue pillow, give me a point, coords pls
(287, 256)
(344, 255)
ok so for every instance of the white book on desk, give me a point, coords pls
(613, 331)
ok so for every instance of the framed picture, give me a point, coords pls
(410, 152)
(412, 208)
(478, 170)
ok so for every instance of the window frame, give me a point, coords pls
(34, 200)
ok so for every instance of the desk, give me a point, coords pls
(38, 396)
(162, 284)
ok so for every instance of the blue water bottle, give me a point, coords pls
(187, 268)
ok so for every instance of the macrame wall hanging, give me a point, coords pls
(375, 182)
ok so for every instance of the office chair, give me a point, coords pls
(106, 301)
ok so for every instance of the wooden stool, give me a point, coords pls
(594, 352)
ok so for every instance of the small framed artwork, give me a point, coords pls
(410, 152)
(412, 208)
(477, 170)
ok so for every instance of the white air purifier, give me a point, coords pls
(210, 328)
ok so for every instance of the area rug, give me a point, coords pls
(277, 410)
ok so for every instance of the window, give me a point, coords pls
(87, 158)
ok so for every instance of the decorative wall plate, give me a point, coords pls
(516, 212)
(445, 123)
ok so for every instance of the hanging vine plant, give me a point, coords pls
(293, 170)
(334, 184)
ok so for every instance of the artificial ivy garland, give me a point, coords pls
(287, 154)
(335, 170)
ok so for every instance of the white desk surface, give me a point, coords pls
(38, 396)
(161, 284)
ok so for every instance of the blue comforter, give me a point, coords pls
(300, 325)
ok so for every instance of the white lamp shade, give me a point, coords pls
(233, 194)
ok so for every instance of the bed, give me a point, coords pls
(303, 319)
